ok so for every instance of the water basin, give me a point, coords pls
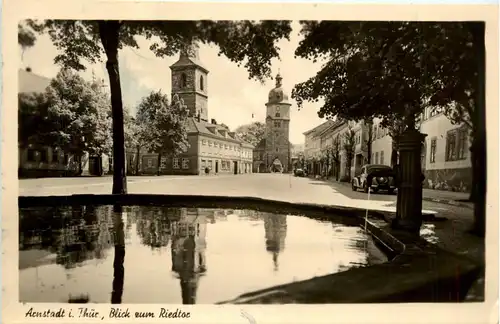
(176, 255)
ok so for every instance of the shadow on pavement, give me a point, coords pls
(345, 189)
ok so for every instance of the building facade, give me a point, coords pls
(445, 152)
(211, 146)
(273, 153)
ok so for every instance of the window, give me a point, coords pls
(277, 123)
(55, 155)
(210, 143)
(202, 86)
(183, 80)
(226, 146)
(175, 163)
(277, 115)
(150, 163)
(451, 146)
(31, 155)
(382, 157)
(432, 157)
(203, 164)
(277, 149)
(185, 164)
(44, 156)
(376, 157)
(462, 143)
(209, 165)
(204, 142)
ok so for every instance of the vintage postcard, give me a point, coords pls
(249, 163)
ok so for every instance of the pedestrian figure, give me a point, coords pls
(207, 170)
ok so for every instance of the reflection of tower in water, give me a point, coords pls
(275, 227)
(188, 251)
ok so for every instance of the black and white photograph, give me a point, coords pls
(253, 162)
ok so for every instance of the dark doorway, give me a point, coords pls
(216, 166)
(235, 167)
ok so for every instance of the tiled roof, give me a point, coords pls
(205, 128)
(188, 61)
(29, 82)
(333, 126)
(320, 127)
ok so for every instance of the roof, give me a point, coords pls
(319, 128)
(336, 124)
(189, 57)
(30, 82)
(213, 130)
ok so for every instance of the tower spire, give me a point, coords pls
(278, 79)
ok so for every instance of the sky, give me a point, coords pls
(233, 98)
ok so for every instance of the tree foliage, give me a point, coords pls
(162, 126)
(251, 133)
(72, 114)
(251, 43)
(393, 70)
(388, 70)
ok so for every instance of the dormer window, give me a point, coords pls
(183, 80)
(202, 86)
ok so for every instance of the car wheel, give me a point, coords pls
(353, 187)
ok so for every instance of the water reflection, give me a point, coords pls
(86, 250)
(275, 227)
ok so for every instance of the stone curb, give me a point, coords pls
(449, 202)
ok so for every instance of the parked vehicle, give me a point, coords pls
(375, 176)
(299, 173)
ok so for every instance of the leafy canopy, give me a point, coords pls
(162, 127)
(251, 42)
(72, 113)
(251, 133)
(389, 70)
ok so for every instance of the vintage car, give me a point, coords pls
(299, 172)
(375, 176)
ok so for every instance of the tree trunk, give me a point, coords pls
(394, 153)
(478, 149)
(137, 161)
(159, 165)
(109, 34)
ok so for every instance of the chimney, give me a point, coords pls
(214, 122)
(28, 69)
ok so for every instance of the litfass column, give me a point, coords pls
(409, 203)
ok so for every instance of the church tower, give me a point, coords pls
(189, 82)
(277, 136)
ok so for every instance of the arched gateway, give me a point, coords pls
(276, 166)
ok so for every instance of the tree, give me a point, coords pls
(132, 131)
(369, 140)
(390, 70)
(335, 153)
(252, 42)
(163, 126)
(251, 133)
(349, 144)
(72, 114)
